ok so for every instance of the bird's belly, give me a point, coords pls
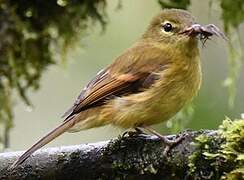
(151, 111)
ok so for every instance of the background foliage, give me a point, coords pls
(30, 32)
(35, 34)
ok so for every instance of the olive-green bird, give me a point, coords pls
(147, 84)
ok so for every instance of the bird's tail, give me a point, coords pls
(46, 139)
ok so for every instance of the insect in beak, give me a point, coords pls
(204, 32)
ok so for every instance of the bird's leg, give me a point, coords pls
(169, 143)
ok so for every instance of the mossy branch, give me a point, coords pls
(205, 154)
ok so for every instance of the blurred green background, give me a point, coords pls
(61, 84)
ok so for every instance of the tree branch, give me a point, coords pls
(131, 156)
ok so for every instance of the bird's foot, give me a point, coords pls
(168, 143)
(171, 143)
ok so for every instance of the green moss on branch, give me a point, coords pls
(220, 156)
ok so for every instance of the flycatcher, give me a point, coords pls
(147, 84)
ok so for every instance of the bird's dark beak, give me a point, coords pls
(206, 31)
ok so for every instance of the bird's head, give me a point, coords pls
(175, 26)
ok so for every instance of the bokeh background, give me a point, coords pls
(61, 84)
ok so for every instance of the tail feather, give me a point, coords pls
(46, 139)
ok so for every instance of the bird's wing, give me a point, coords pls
(124, 76)
(103, 88)
(100, 76)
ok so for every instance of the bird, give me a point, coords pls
(147, 84)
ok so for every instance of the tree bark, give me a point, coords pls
(132, 156)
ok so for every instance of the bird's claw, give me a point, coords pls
(171, 143)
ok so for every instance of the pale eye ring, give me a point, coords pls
(167, 27)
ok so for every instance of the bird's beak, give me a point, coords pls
(206, 31)
(193, 30)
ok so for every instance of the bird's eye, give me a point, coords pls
(167, 27)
